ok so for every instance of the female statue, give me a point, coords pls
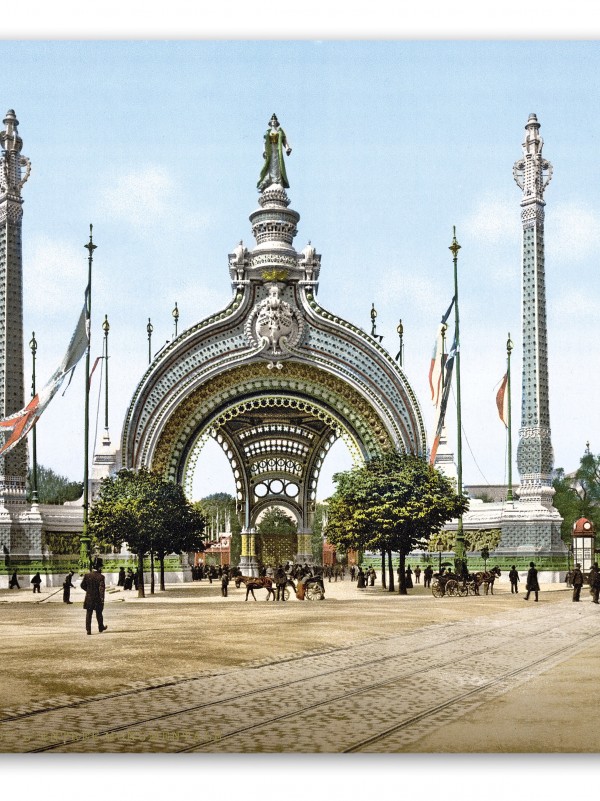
(273, 171)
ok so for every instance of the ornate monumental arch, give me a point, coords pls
(19, 526)
(274, 378)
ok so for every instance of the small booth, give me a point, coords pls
(584, 544)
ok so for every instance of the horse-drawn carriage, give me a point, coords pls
(468, 584)
(309, 587)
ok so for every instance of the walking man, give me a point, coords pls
(94, 585)
(417, 575)
(595, 582)
(67, 587)
(577, 579)
(280, 581)
(36, 581)
(514, 579)
(14, 581)
(532, 582)
(224, 583)
(427, 575)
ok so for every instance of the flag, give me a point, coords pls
(448, 367)
(21, 423)
(502, 400)
(437, 359)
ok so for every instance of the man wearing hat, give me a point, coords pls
(577, 579)
(532, 582)
(595, 582)
(94, 585)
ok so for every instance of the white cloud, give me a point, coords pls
(493, 221)
(575, 231)
(144, 196)
(53, 271)
(575, 304)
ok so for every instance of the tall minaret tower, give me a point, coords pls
(14, 172)
(534, 456)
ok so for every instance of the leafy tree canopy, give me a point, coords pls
(578, 495)
(53, 488)
(276, 521)
(394, 502)
(147, 512)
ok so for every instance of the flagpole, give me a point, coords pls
(85, 539)
(34, 472)
(460, 537)
(106, 329)
(509, 347)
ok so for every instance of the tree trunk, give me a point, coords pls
(151, 572)
(141, 593)
(162, 571)
(391, 571)
(383, 584)
(402, 587)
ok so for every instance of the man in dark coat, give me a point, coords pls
(224, 583)
(427, 576)
(36, 581)
(14, 582)
(94, 585)
(67, 587)
(281, 582)
(577, 580)
(532, 581)
(514, 579)
(595, 582)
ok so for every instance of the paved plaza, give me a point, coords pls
(361, 671)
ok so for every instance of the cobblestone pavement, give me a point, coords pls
(383, 694)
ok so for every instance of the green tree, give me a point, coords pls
(222, 506)
(148, 513)
(395, 502)
(578, 495)
(53, 488)
(276, 521)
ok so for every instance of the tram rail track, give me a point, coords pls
(330, 699)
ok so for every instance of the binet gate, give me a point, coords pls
(274, 378)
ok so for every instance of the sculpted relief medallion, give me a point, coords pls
(274, 324)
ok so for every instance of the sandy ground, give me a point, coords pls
(189, 629)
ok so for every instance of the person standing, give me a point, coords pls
(224, 583)
(417, 575)
(67, 587)
(577, 580)
(95, 586)
(14, 582)
(409, 573)
(427, 576)
(121, 579)
(36, 581)
(280, 581)
(532, 581)
(595, 582)
(514, 579)
(372, 576)
(361, 583)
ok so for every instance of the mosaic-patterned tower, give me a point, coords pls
(20, 524)
(13, 466)
(534, 456)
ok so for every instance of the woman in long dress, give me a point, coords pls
(361, 583)
(409, 584)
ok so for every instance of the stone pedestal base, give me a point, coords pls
(21, 532)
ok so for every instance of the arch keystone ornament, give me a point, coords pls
(273, 378)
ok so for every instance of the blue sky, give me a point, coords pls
(158, 144)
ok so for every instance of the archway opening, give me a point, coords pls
(338, 460)
(213, 472)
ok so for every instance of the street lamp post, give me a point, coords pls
(34, 476)
(460, 537)
(106, 329)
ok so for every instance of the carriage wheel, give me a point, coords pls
(286, 594)
(463, 589)
(472, 588)
(437, 590)
(452, 587)
(314, 592)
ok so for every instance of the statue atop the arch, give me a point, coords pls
(273, 171)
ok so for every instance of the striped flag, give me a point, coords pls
(502, 400)
(21, 423)
(437, 359)
(448, 367)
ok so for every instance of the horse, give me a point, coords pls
(256, 583)
(487, 578)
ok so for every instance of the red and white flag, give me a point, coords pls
(21, 423)
(438, 359)
(502, 400)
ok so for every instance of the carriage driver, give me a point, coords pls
(280, 581)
